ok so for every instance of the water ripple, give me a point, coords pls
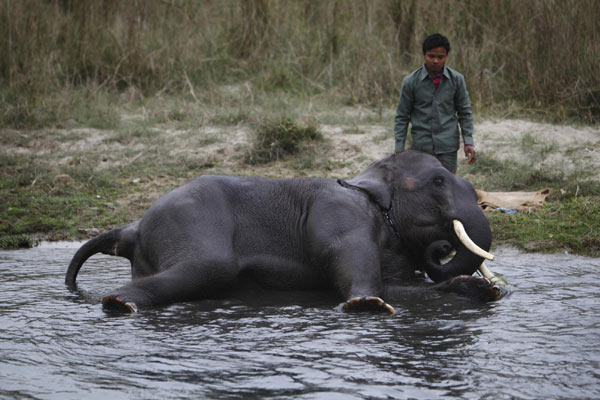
(541, 341)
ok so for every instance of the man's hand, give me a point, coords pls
(470, 154)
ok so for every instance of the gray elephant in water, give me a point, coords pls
(357, 237)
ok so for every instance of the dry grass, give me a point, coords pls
(540, 54)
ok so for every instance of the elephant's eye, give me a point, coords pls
(438, 180)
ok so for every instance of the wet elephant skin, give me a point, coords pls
(352, 237)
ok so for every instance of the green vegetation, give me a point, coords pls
(569, 221)
(275, 139)
(105, 105)
(569, 225)
(42, 199)
(17, 241)
(62, 60)
(492, 175)
(56, 183)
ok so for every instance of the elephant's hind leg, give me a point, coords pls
(184, 282)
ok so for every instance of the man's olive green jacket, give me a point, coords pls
(435, 115)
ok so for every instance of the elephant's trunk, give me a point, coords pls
(471, 245)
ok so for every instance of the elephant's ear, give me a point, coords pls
(376, 181)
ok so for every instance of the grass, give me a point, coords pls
(100, 158)
(570, 219)
(53, 194)
(60, 180)
(42, 199)
(568, 225)
(51, 50)
(56, 182)
(278, 138)
(18, 242)
(491, 174)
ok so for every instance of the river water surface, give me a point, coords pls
(541, 341)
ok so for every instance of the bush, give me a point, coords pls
(276, 139)
(17, 242)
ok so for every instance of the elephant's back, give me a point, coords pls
(241, 200)
(256, 191)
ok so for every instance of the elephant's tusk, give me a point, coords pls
(483, 269)
(486, 272)
(466, 240)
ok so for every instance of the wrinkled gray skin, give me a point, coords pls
(217, 231)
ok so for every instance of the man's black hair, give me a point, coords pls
(436, 40)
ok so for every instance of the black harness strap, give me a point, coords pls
(388, 220)
(386, 212)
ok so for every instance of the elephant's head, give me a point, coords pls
(428, 206)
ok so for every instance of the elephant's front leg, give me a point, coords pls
(357, 271)
(367, 303)
(474, 287)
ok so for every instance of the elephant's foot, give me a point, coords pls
(369, 303)
(118, 304)
(474, 287)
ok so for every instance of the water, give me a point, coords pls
(541, 341)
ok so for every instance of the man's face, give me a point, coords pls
(435, 60)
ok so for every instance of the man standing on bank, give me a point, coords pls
(434, 99)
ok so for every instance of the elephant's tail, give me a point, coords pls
(111, 242)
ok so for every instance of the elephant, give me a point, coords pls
(357, 237)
